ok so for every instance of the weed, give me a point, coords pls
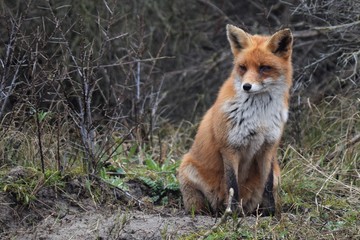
(24, 183)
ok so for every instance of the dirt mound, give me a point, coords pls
(74, 212)
(118, 224)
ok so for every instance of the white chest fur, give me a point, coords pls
(254, 119)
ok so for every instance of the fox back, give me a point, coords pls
(237, 140)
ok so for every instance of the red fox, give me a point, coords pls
(237, 140)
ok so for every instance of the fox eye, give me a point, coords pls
(264, 68)
(242, 68)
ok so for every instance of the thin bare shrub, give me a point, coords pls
(83, 69)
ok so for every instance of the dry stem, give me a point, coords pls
(224, 217)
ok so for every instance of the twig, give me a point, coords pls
(119, 63)
(127, 195)
(335, 27)
(321, 30)
(39, 135)
(115, 149)
(216, 9)
(343, 147)
(224, 217)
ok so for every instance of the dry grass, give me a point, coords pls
(99, 88)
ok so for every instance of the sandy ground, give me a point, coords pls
(70, 212)
(114, 224)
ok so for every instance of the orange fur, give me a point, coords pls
(237, 140)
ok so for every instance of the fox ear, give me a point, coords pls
(237, 37)
(280, 43)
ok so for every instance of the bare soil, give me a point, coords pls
(109, 224)
(71, 212)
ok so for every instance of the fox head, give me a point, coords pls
(261, 63)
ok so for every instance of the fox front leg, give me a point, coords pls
(232, 182)
(271, 202)
(268, 202)
(231, 164)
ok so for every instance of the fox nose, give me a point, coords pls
(247, 86)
